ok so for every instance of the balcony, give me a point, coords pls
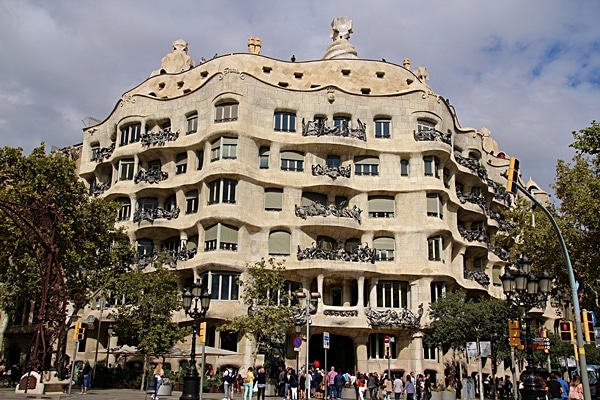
(319, 210)
(432, 135)
(318, 128)
(360, 254)
(332, 172)
(159, 138)
(153, 176)
(102, 153)
(403, 318)
(143, 214)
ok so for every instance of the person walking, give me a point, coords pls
(293, 384)
(159, 373)
(85, 373)
(227, 381)
(372, 383)
(331, 393)
(409, 388)
(248, 384)
(261, 383)
(361, 384)
(575, 389)
(398, 387)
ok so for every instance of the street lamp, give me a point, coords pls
(191, 379)
(109, 332)
(527, 290)
(314, 299)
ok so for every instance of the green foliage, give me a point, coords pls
(265, 295)
(144, 320)
(457, 320)
(88, 243)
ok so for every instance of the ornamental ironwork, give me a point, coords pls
(432, 135)
(96, 189)
(169, 257)
(331, 171)
(473, 235)
(318, 128)
(341, 313)
(503, 196)
(478, 276)
(103, 153)
(472, 164)
(390, 318)
(503, 224)
(500, 252)
(143, 214)
(359, 254)
(71, 152)
(317, 209)
(153, 176)
(158, 138)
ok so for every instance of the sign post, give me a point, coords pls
(326, 344)
(386, 341)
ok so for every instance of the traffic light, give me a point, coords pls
(387, 351)
(512, 176)
(566, 331)
(202, 333)
(514, 332)
(79, 333)
(588, 327)
(76, 331)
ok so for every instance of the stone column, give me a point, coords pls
(360, 351)
(346, 293)
(373, 293)
(416, 353)
(361, 298)
(320, 279)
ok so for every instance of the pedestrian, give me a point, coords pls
(331, 393)
(388, 388)
(565, 386)
(372, 382)
(293, 379)
(409, 388)
(248, 384)
(361, 384)
(281, 382)
(227, 381)
(159, 373)
(261, 383)
(302, 385)
(575, 389)
(85, 373)
(554, 388)
(239, 383)
(338, 382)
(427, 387)
(398, 387)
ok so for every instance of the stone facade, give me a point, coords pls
(217, 163)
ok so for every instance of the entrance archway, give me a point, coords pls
(340, 354)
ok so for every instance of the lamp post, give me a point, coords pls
(527, 290)
(312, 298)
(191, 379)
(109, 332)
(100, 305)
(298, 331)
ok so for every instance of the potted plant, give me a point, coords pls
(213, 384)
(166, 388)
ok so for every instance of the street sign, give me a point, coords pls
(386, 339)
(326, 340)
(540, 343)
(297, 342)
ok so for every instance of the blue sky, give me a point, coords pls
(527, 70)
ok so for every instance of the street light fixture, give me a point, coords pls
(191, 379)
(527, 290)
(314, 299)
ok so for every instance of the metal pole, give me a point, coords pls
(574, 286)
(97, 340)
(307, 335)
(202, 369)
(514, 373)
(481, 394)
(73, 365)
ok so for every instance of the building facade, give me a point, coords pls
(354, 172)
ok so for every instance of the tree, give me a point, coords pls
(269, 312)
(144, 320)
(56, 243)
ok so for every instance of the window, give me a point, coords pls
(273, 199)
(381, 207)
(432, 166)
(154, 165)
(438, 290)
(130, 134)
(382, 128)
(496, 274)
(435, 206)
(172, 244)
(148, 203)
(124, 212)
(476, 191)
(366, 166)
(342, 122)
(478, 226)
(333, 161)
(446, 178)
(384, 248)
(376, 347)
(221, 237)
(285, 122)
(429, 353)
(144, 247)
(223, 286)
(392, 294)
(478, 264)
(126, 167)
(191, 202)
(310, 198)
(279, 243)
(425, 125)
(171, 203)
(435, 247)
(229, 340)
(351, 245)
(192, 123)
(181, 163)
(95, 148)
(222, 191)
(225, 148)
(404, 167)
(263, 157)
(292, 161)
(226, 112)
(200, 155)
(336, 296)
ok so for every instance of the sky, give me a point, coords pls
(529, 71)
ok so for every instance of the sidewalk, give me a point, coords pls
(124, 394)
